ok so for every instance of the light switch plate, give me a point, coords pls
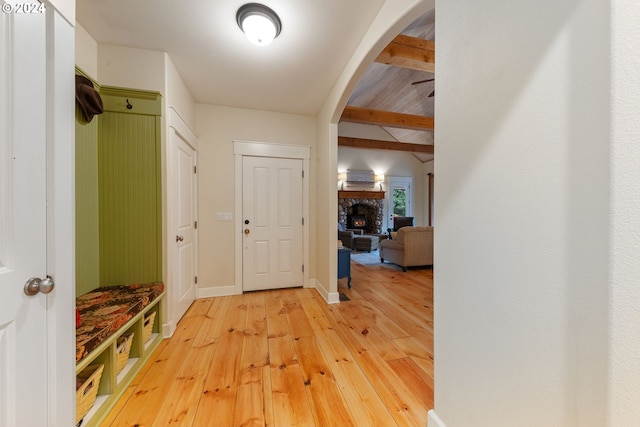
(224, 216)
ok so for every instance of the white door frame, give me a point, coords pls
(61, 222)
(178, 125)
(264, 149)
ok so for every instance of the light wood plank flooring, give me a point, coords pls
(286, 358)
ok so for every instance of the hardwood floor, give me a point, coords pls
(286, 358)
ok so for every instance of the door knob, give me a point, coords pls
(35, 285)
(179, 238)
(246, 231)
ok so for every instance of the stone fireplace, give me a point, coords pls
(361, 210)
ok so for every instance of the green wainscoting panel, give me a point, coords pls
(87, 228)
(129, 192)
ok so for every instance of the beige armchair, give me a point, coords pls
(412, 246)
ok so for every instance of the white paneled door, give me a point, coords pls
(272, 223)
(185, 209)
(23, 232)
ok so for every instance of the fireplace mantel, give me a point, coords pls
(345, 194)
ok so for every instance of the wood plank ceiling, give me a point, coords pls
(386, 97)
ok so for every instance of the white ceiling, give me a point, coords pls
(217, 63)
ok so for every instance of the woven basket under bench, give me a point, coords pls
(123, 350)
(87, 383)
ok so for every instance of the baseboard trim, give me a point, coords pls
(168, 329)
(433, 419)
(217, 291)
(224, 291)
(329, 297)
(333, 298)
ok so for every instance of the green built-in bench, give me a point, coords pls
(107, 314)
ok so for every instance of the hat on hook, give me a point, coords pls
(88, 98)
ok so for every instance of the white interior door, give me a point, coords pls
(185, 215)
(272, 223)
(23, 319)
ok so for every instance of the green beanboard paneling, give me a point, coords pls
(129, 193)
(87, 229)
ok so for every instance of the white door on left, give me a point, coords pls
(185, 216)
(23, 215)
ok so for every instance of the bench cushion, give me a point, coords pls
(105, 310)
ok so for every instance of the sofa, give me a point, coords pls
(348, 235)
(412, 246)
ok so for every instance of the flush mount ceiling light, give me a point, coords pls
(259, 23)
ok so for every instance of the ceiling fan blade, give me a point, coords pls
(422, 81)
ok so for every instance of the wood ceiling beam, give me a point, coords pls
(344, 141)
(410, 52)
(386, 118)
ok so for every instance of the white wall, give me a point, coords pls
(177, 93)
(217, 128)
(86, 51)
(131, 68)
(527, 258)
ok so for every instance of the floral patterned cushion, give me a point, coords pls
(104, 310)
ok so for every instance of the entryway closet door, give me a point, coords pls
(184, 206)
(31, 58)
(272, 223)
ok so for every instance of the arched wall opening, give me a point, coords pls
(393, 17)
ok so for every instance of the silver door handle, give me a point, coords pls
(35, 285)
